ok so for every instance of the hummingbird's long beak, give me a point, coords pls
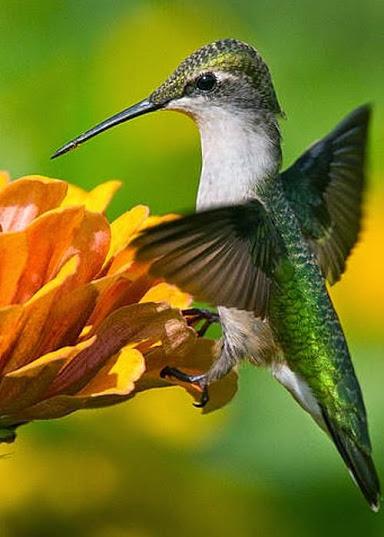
(143, 107)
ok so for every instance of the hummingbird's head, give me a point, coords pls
(227, 74)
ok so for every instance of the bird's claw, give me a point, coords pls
(201, 380)
(195, 315)
(204, 397)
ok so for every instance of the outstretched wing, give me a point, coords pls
(325, 188)
(222, 256)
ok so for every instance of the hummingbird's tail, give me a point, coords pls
(359, 463)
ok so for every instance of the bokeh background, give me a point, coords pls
(154, 466)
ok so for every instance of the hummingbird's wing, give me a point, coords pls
(223, 256)
(325, 188)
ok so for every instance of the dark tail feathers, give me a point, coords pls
(359, 463)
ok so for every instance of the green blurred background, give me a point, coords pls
(155, 466)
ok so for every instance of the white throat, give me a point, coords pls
(238, 154)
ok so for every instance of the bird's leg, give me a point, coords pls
(195, 315)
(201, 380)
(219, 369)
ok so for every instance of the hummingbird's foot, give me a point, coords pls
(201, 380)
(195, 315)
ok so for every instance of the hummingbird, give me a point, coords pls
(264, 242)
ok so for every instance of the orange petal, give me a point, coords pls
(13, 260)
(36, 316)
(96, 200)
(116, 292)
(165, 292)
(68, 315)
(129, 325)
(55, 237)
(91, 242)
(49, 240)
(125, 260)
(28, 384)
(112, 384)
(10, 324)
(25, 199)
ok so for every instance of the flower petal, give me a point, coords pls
(118, 376)
(49, 240)
(25, 386)
(124, 228)
(4, 179)
(197, 361)
(91, 242)
(10, 324)
(13, 260)
(125, 258)
(165, 292)
(116, 292)
(96, 200)
(148, 322)
(55, 237)
(23, 200)
(154, 220)
(34, 325)
(113, 384)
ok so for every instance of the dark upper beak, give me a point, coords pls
(143, 107)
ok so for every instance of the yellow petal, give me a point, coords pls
(97, 200)
(124, 227)
(165, 292)
(118, 376)
(156, 220)
(4, 178)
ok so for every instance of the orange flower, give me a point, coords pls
(81, 324)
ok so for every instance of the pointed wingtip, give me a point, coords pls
(358, 461)
(375, 507)
(376, 504)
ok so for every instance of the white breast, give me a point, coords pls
(236, 155)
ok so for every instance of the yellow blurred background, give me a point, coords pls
(154, 466)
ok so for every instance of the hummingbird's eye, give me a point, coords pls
(206, 82)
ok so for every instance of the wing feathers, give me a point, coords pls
(223, 256)
(325, 188)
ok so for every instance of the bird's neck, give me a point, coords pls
(239, 153)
